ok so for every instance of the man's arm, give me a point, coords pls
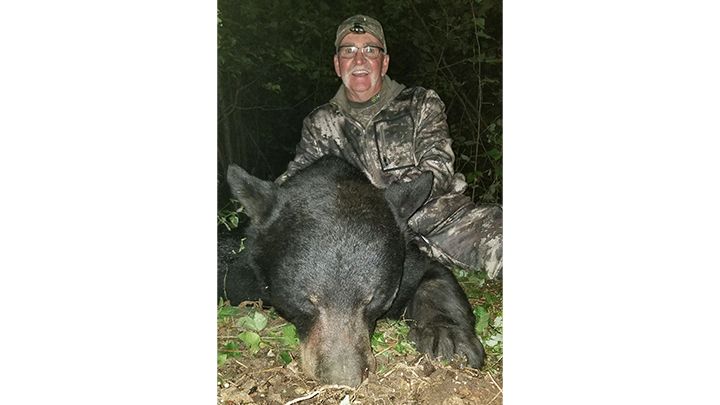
(433, 146)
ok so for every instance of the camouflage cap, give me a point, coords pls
(360, 24)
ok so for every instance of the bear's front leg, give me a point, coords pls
(441, 320)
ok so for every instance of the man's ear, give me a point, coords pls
(386, 64)
(336, 61)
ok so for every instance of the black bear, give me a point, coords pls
(333, 254)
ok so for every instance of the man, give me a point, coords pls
(394, 133)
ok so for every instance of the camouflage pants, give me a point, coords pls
(469, 238)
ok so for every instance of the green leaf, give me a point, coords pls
(225, 312)
(289, 336)
(260, 321)
(403, 346)
(256, 323)
(494, 153)
(478, 281)
(251, 340)
(473, 176)
(493, 340)
(498, 323)
(482, 318)
(231, 350)
(286, 358)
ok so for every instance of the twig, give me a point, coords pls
(498, 387)
(321, 389)
(392, 370)
(383, 351)
(496, 384)
(255, 304)
(267, 370)
(310, 395)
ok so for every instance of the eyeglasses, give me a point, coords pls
(369, 51)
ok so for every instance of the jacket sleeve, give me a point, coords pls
(433, 146)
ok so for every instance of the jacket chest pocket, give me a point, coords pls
(394, 139)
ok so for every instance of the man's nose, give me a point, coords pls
(359, 57)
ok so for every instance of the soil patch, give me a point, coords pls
(265, 378)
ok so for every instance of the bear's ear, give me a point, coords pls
(257, 196)
(406, 197)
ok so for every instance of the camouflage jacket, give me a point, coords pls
(405, 133)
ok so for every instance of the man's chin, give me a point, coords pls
(361, 86)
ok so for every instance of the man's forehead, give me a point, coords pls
(360, 40)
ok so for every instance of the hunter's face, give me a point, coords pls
(361, 74)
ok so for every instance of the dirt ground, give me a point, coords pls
(412, 378)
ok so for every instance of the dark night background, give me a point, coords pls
(275, 66)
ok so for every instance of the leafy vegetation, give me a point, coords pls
(486, 298)
(264, 330)
(275, 66)
(228, 216)
(256, 332)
